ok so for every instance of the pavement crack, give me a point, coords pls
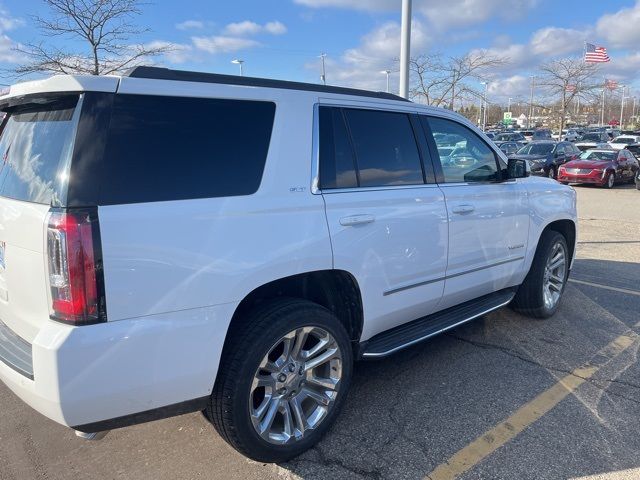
(517, 355)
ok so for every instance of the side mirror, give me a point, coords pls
(518, 168)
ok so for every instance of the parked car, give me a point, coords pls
(509, 137)
(613, 133)
(528, 135)
(572, 135)
(509, 148)
(490, 135)
(630, 142)
(593, 140)
(234, 257)
(545, 156)
(604, 168)
(541, 134)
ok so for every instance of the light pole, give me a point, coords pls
(531, 103)
(387, 72)
(237, 61)
(323, 76)
(509, 105)
(484, 102)
(604, 87)
(405, 47)
(621, 105)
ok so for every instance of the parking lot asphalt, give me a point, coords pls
(504, 397)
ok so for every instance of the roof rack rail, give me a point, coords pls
(158, 73)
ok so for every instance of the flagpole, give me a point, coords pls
(604, 86)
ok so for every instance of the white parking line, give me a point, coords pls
(606, 287)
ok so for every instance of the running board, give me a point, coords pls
(403, 336)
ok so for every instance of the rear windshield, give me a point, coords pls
(598, 155)
(36, 144)
(624, 140)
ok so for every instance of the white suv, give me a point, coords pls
(174, 241)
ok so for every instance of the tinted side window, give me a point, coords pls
(337, 167)
(469, 160)
(385, 147)
(169, 148)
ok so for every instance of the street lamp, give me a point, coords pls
(531, 102)
(621, 105)
(509, 105)
(237, 61)
(484, 101)
(323, 75)
(387, 72)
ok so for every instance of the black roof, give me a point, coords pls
(158, 73)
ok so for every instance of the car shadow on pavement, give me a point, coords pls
(409, 413)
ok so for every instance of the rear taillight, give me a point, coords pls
(75, 267)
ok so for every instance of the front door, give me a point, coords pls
(488, 220)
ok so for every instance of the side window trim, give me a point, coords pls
(426, 160)
(354, 153)
(429, 133)
(433, 149)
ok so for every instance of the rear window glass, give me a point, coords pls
(35, 147)
(169, 148)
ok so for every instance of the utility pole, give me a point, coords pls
(405, 48)
(323, 76)
(531, 103)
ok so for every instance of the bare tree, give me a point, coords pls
(568, 79)
(104, 27)
(443, 82)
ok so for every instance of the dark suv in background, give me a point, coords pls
(546, 156)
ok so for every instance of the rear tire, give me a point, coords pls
(249, 355)
(540, 294)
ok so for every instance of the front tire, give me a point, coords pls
(551, 173)
(282, 380)
(611, 180)
(540, 293)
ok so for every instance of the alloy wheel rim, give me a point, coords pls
(551, 173)
(611, 180)
(295, 385)
(554, 275)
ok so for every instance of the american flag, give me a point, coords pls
(593, 54)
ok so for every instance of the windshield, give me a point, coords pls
(625, 141)
(598, 155)
(592, 137)
(36, 145)
(537, 149)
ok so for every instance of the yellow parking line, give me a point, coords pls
(606, 287)
(485, 445)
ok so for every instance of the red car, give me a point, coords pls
(603, 167)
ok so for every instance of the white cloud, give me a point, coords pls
(275, 28)
(558, 41)
(620, 29)
(190, 25)
(361, 67)
(223, 44)
(8, 53)
(248, 27)
(442, 14)
(177, 53)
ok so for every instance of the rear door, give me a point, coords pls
(35, 147)
(386, 215)
(488, 218)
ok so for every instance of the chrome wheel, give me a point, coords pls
(554, 275)
(295, 385)
(551, 173)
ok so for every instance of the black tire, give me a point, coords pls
(552, 173)
(610, 181)
(228, 408)
(637, 185)
(529, 299)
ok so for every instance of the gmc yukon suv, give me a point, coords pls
(173, 242)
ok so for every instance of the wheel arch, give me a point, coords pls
(567, 228)
(336, 290)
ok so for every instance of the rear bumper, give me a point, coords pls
(123, 372)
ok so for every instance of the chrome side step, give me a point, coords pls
(403, 336)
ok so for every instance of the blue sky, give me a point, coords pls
(282, 38)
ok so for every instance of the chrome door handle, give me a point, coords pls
(356, 220)
(462, 209)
